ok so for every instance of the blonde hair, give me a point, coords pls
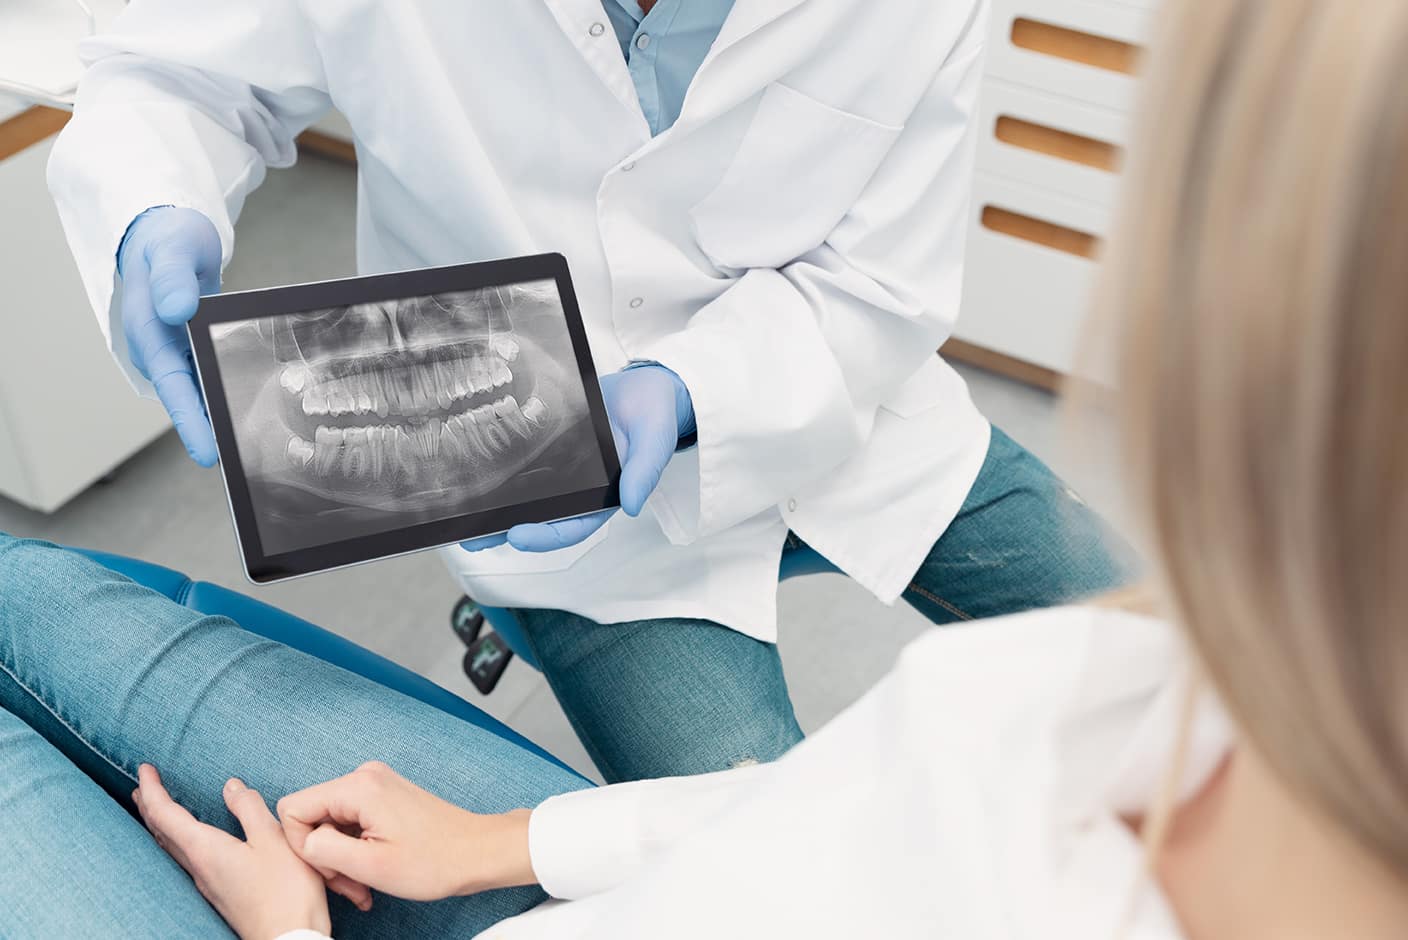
(1258, 279)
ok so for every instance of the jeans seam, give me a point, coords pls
(956, 611)
(4, 667)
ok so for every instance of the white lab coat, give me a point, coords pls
(792, 247)
(976, 793)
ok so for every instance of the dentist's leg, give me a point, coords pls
(1022, 540)
(663, 698)
(666, 697)
(113, 674)
(75, 864)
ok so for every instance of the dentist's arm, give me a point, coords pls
(788, 368)
(782, 375)
(181, 106)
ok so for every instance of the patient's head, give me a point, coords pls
(1260, 279)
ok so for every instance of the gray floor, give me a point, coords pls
(162, 508)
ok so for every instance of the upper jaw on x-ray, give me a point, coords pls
(410, 403)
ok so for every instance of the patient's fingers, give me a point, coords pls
(175, 829)
(358, 859)
(343, 801)
(249, 808)
(354, 891)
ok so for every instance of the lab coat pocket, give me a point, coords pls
(800, 167)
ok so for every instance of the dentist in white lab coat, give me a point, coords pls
(765, 198)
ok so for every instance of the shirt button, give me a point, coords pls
(628, 167)
(636, 302)
(791, 505)
(643, 41)
(597, 29)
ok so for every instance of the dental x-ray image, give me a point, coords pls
(356, 420)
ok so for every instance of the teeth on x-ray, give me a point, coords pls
(393, 401)
(407, 390)
(482, 435)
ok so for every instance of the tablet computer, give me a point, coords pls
(367, 417)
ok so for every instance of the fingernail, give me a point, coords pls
(234, 785)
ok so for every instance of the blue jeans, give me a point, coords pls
(656, 698)
(98, 674)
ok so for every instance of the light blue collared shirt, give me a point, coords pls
(665, 48)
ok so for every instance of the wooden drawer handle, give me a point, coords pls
(28, 128)
(1075, 46)
(1040, 232)
(1063, 145)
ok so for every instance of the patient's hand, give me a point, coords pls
(376, 828)
(261, 888)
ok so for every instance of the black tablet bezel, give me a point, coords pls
(262, 568)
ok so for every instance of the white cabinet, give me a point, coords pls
(1055, 116)
(67, 416)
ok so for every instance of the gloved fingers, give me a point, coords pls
(179, 395)
(138, 318)
(650, 445)
(208, 274)
(163, 354)
(160, 349)
(551, 536)
(487, 541)
(175, 282)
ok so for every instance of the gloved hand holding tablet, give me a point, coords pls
(368, 417)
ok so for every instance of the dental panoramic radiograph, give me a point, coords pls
(363, 418)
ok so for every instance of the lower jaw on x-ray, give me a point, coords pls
(361, 419)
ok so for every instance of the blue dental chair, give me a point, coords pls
(489, 652)
(274, 624)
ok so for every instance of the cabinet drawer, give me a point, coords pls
(1051, 142)
(1027, 288)
(1080, 49)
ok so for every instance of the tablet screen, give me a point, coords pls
(364, 418)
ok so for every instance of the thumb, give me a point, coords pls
(249, 808)
(175, 286)
(649, 448)
(328, 849)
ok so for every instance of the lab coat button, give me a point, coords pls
(628, 167)
(643, 41)
(791, 505)
(636, 302)
(597, 29)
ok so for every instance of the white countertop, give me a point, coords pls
(10, 106)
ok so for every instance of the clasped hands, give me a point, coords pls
(369, 830)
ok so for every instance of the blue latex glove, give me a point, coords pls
(650, 410)
(168, 258)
